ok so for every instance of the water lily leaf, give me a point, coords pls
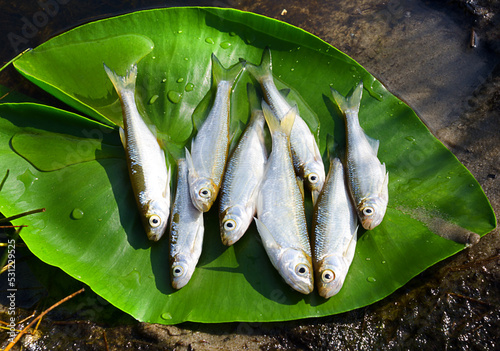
(91, 227)
(52, 151)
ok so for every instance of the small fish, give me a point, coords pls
(149, 174)
(186, 231)
(334, 232)
(281, 219)
(306, 156)
(244, 172)
(367, 177)
(210, 147)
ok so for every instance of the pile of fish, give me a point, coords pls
(257, 186)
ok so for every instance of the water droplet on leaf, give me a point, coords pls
(180, 80)
(27, 178)
(77, 213)
(189, 87)
(225, 44)
(174, 96)
(371, 279)
(166, 316)
(209, 41)
(153, 99)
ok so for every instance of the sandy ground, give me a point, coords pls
(421, 51)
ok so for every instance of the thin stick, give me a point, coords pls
(5, 254)
(14, 59)
(105, 340)
(8, 219)
(18, 336)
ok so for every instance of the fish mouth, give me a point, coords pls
(330, 290)
(305, 289)
(154, 236)
(370, 223)
(203, 206)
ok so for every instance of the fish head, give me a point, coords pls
(203, 193)
(181, 269)
(234, 222)
(297, 270)
(330, 275)
(314, 177)
(371, 211)
(156, 219)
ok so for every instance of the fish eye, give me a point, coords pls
(313, 178)
(368, 211)
(154, 221)
(205, 193)
(301, 269)
(327, 276)
(229, 225)
(177, 271)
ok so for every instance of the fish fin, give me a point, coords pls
(331, 146)
(122, 83)
(300, 183)
(190, 164)
(351, 248)
(350, 103)
(276, 125)
(266, 236)
(122, 137)
(285, 92)
(253, 98)
(264, 69)
(166, 191)
(233, 140)
(385, 189)
(219, 73)
(374, 143)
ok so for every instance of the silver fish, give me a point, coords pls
(209, 148)
(334, 232)
(306, 156)
(244, 172)
(367, 177)
(149, 174)
(281, 218)
(186, 231)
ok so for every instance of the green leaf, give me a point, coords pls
(91, 227)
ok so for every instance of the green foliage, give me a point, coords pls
(75, 167)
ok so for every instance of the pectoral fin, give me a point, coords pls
(266, 236)
(351, 248)
(122, 137)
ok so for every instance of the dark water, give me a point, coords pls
(422, 51)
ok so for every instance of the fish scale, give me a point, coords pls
(149, 175)
(281, 220)
(334, 232)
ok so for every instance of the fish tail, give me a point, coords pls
(254, 100)
(122, 83)
(220, 73)
(276, 125)
(350, 103)
(265, 67)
